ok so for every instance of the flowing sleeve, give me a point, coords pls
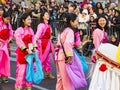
(39, 32)
(77, 40)
(69, 42)
(11, 31)
(33, 38)
(18, 38)
(96, 38)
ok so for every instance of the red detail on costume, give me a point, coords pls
(4, 34)
(103, 67)
(27, 39)
(45, 39)
(0, 18)
(94, 59)
(22, 54)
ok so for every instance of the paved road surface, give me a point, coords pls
(46, 84)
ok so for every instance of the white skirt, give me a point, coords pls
(110, 78)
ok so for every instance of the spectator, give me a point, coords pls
(113, 40)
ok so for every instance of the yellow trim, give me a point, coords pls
(69, 53)
(36, 39)
(34, 45)
(79, 47)
(23, 47)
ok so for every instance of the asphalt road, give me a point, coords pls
(46, 84)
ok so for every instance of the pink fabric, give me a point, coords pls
(4, 26)
(21, 68)
(4, 59)
(20, 33)
(45, 59)
(98, 36)
(83, 3)
(20, 77)
(63, 81)
(4, 55)
(77, 41)
(67, 38)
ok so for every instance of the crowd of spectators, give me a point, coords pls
(87, 12)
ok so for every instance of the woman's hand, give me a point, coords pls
(69, 60)
(29, 51)
(34, 50)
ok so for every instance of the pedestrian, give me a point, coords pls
(64, 49)
(45, 46)
(24, 36)
(6, 34)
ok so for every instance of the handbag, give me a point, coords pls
(75, 72)
(82, 60)
(34, 72)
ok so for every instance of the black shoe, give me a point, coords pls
(5, 81)
(0, 80)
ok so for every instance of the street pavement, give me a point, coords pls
(46, 84)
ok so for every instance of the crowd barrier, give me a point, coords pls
(111, 31)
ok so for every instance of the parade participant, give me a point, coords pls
(45, 46)
(6, 34)
(24, 36)
(1, 12)
(64, 48)
(99, 34)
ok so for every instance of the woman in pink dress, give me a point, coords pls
(66, 39)
(24, 36)
(99, 34)
(6, 35)
(45, 46)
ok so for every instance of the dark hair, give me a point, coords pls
(5, 14)
(100, 5)
(23, 17)
(66, 22)
(41, 16)
(106, 26)
(2, 7)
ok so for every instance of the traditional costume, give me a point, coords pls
(24, 37)
(45, 47)
(64, 82)
(6, 33)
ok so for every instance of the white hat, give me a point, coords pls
(85, 11)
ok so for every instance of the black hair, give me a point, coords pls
(2, 8)
(41, 16)
(66, 21)
(100, 5)
(23, 17)
(106, 26)
(5, 14)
